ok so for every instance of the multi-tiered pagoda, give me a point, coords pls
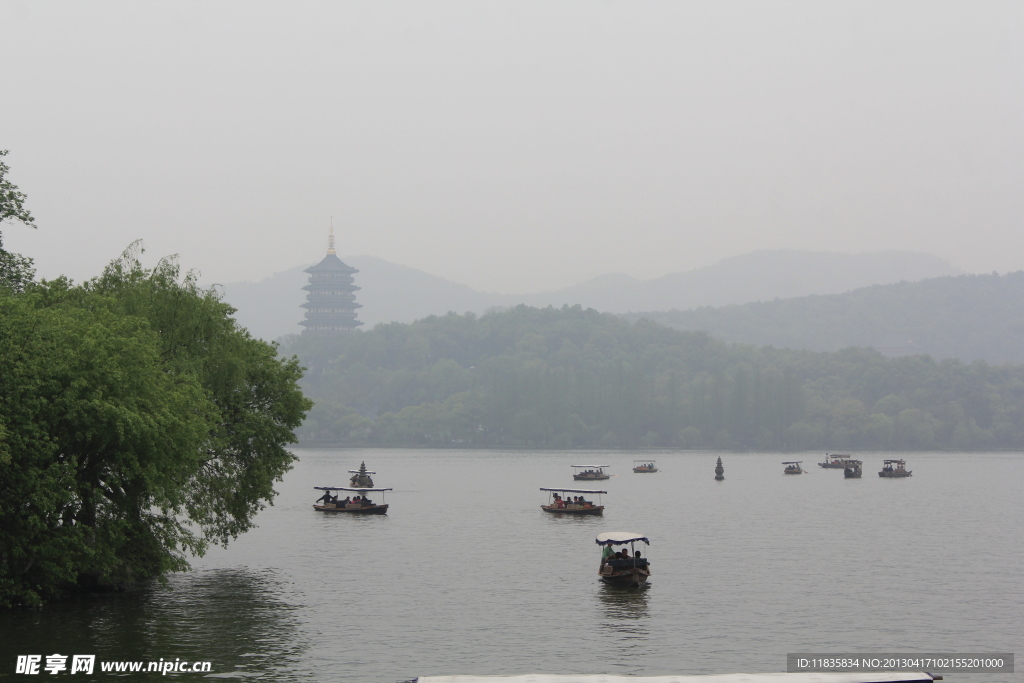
(331, 301)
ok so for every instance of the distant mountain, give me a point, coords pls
(271, 308)
(970, 317)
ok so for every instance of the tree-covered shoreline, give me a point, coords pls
(575, 378)
(138, 424)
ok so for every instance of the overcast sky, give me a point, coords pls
(513, 146)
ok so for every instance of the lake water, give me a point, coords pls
(467, 575)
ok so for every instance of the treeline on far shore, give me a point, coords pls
(575, 378)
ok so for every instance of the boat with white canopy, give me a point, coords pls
(590, 472)
(625, 567)
(359, 504)
(564, 501)
(895, 468)
(793, 467)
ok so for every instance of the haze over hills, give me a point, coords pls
(968, 317)
(271, 308)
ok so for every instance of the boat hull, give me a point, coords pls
(642, 470)
(894, 475)
(371, 510)
(594, 510)
(832, 465)
(793, 472)
(586, 477)
(851, 475)
(634, 578)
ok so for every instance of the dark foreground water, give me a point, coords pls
(467, 575)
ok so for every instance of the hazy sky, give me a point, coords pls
(513, 146)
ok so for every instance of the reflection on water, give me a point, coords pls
(625, 610)
(227, 616)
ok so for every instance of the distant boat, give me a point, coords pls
(590, 472)
(853, 469)
(836, 461)
(575, 505)
(361, 478)
(644, 466)
(894, 468)
(359, 504)
(793, 467)
(631, 570)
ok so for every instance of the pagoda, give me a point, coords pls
(331, 301)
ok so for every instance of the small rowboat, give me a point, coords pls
(895, 468)
(358, 504)
(632, 571)
(793, 467)
(641, 466)
(835, 461)
(560, 505)
(590, 472)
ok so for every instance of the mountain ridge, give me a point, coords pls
(390, 292)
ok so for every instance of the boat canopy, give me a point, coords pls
(597, 466)
(345, 488)
(573, 490)
(792, 462)
(898, 462)
(645, 460)
(866, 677)
(620, 537)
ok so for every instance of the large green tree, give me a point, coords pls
(138, 423)
(15, 270)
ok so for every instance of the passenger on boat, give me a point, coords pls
(325, 499)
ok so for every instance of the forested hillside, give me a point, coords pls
(969, 317)
(573, 378)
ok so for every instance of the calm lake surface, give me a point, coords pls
(467, 575)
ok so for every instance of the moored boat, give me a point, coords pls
(590, 472)
(853, 469)
(576, 505)
(358, 504)
(793, 467)
(361, 478)
(895, 468)
(641, 466)
(836, 461)
(626, 567)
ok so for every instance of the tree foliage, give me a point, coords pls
(572, 378)
(138, 423)
(15, 270)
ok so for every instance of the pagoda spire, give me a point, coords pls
(330, 238)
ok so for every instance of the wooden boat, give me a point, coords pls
(632, 572)
(358, 504)
(853, 469)
(644, 466)
(590, 472)
(558, 504)
(836, 461)
(793, 467)
(894, 468)
(361, 478)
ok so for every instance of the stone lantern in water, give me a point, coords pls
(719, 470)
